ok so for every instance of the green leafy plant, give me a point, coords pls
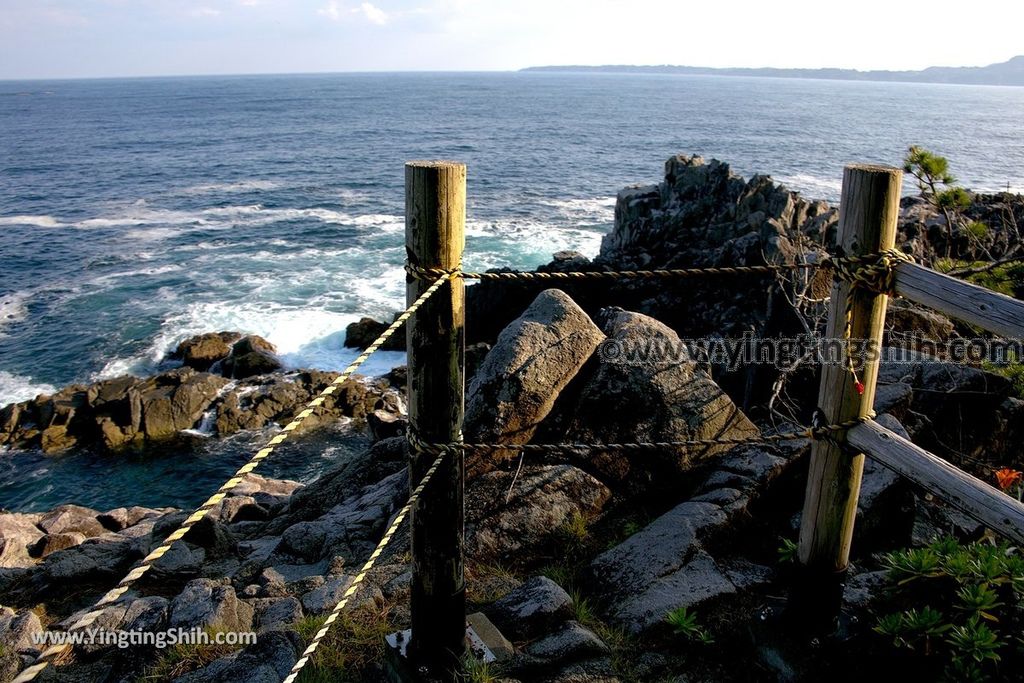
(915, 563)
(980, 586)
(685, 623)
(913, 629)
(787, 551)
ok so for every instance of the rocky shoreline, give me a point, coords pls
(578, 561)
(226, 383)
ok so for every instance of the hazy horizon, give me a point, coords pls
(65, 39)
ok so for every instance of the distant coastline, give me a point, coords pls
(1010, 72)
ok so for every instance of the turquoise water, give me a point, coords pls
(137, 212)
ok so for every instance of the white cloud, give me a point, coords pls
(332, 11)
(374, 14)
(204, 12)
(335, 11)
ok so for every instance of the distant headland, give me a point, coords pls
(1010, 72)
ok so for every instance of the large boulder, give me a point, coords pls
(202, 351)
(267, 661)
(648, 389)
(663, 567)
(507, 516)
(68, 518)
(534, 359)
(363, 332)
(205, 603)
(533, 608)
(251, 356)
(175, 400)
(18, 532)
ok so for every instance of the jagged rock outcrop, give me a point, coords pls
(363, 332)
(130, 411)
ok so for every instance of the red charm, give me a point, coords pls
(859, 386)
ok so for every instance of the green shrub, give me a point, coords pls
(964, 605)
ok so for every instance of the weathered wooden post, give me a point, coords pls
(435, 217)
(868, 216)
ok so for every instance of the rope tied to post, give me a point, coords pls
(831, 432)
(51, 653)
(874, 272)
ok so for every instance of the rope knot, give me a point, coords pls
(431, 274)
(873, 272)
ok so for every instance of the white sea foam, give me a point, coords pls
(12, 309)
(596, 209)
(155, 223)
(812, 187)
(526, 242)
(15, 388)
(240, 186)
(36, 221)
(303, 337)
(141, 272)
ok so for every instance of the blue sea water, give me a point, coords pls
(135, 212)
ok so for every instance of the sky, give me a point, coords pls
(97, 38)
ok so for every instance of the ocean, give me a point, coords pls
(137, 212)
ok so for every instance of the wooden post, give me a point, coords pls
(435, 217)
(868, 215)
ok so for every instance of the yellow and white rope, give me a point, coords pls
(336, 612)
(112, 596)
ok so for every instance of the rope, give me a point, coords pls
(138, 572)
(871, 272)
(814, 433)
(336, 612)
(420, 273)
(875, 271)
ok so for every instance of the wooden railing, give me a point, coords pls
(868, 218)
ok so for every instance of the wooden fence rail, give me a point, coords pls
(976, 305)
(968, 494)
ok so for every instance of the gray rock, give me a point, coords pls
(664, 398)
(350, 529)
(543, 499)
(66, 518)
(598, 670)
(268, 661)
(241, 509)
(323, 598)
(885, 508)
(146, 614)
(275, 613)
(893, 398)
(16, 630)
(534, 358)
(663, 567)
(183, 560)
(204, 603)
(571, 642)
(97, 559)
(17, 533)
(534, 608)
(863, 589)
